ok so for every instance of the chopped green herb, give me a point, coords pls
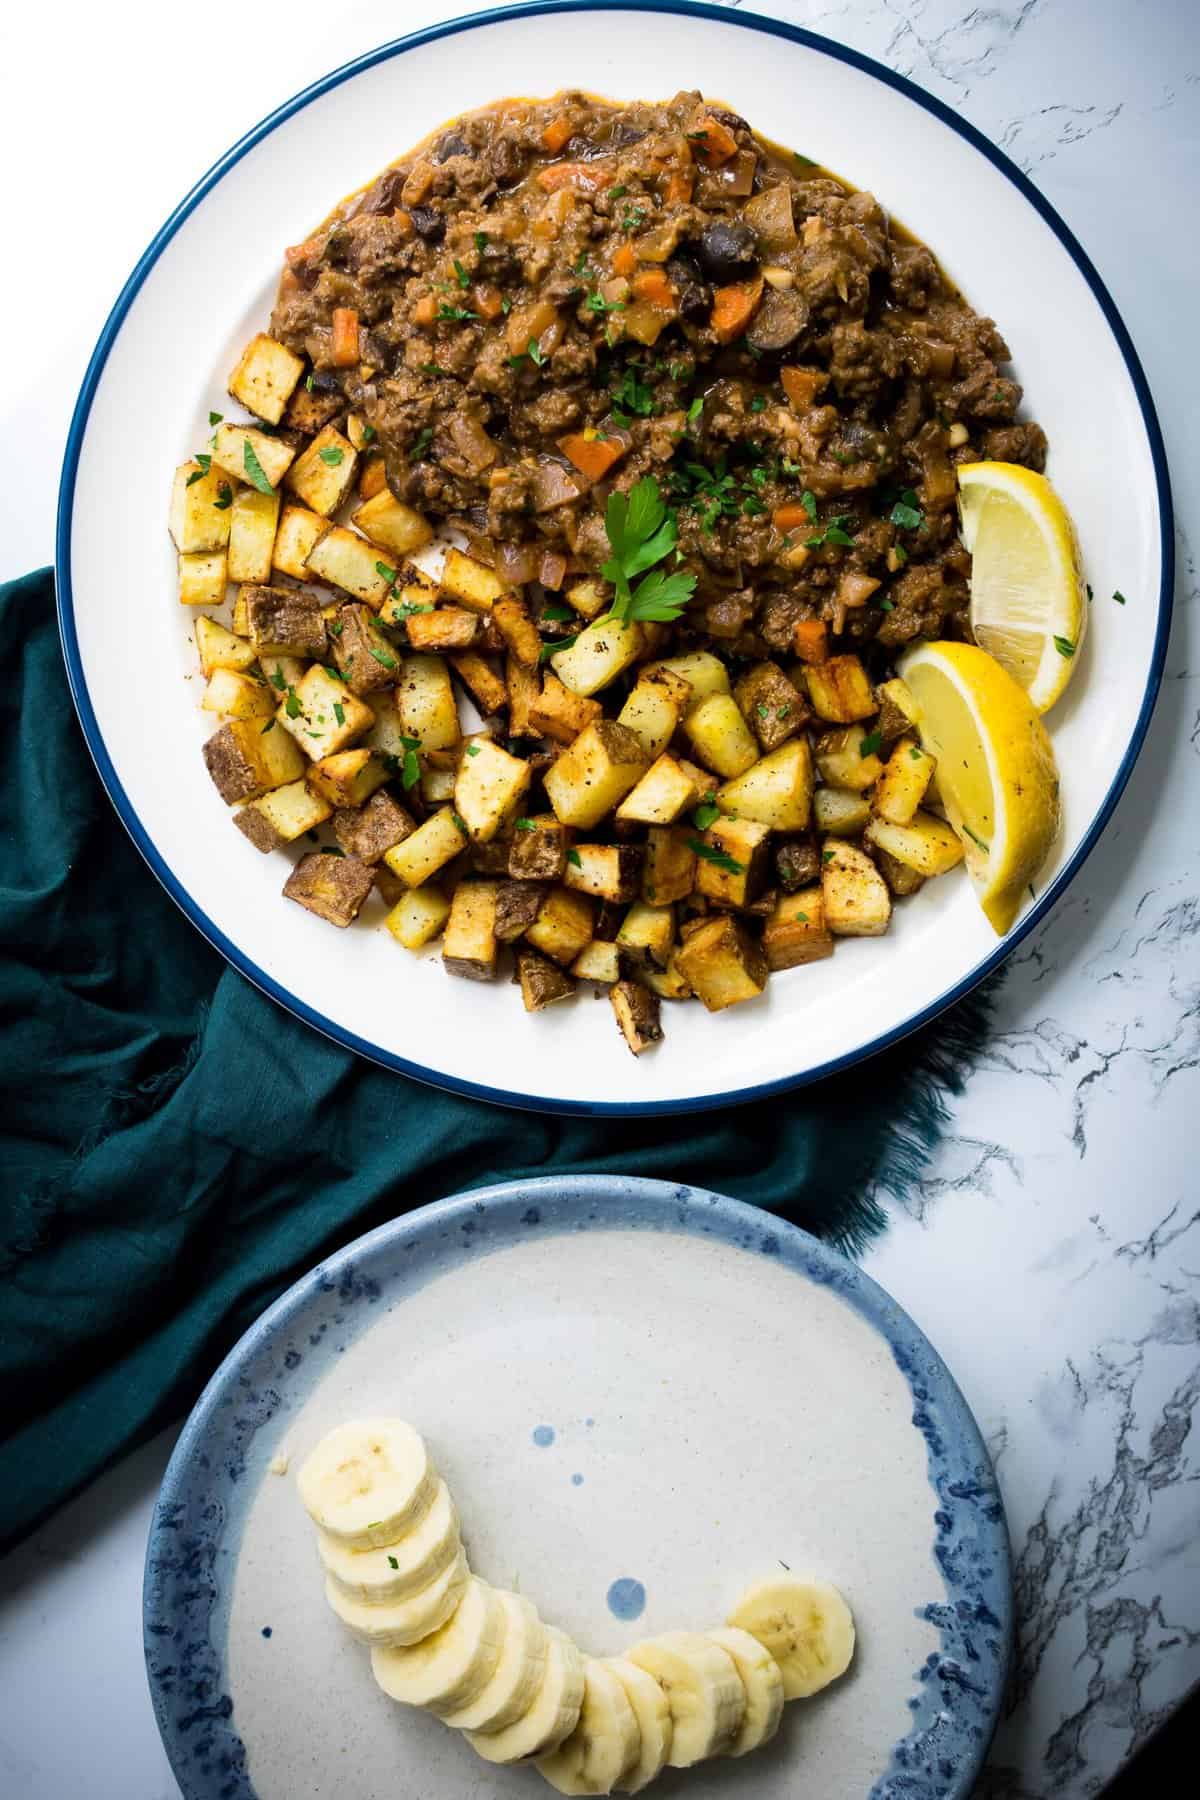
(801, 918)
(460, 824)
(802, 162)
(614, 193)
(706, 814)
(641, 532)
(335, 628)
(1118, 596)
(433, 369)
(574, 858)
(332, 455)
(277, 678)
(410, 772)
(525, 825)
(292, 704)
(1064, 646)
(915, 755)
(535, 353)
(455, 314)
(870, 744)
(720, 859)
(596, 303)
(392, 1563)
(224, 497)
(505, 305)
(906, 513)
(309, 383)
(900, 555)
(367, 434)
(827, 856)
(339, 712)
(472, 749)
(759, 403)
(269, 726)
(382, 656)
(556, 612)
(634, 395)
(198, 474)
(552, 649)
(333, 674)
(631, 218)
(808, 501)
(763, 711)
(834, 532)
(422, 440)
(214, 418)
(481, 241)
(783, 712)
(255, 472)
(461, 276)
(386, 570)
(695, 409)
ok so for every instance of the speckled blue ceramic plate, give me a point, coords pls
(643, 1397)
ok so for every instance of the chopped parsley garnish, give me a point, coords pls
(292, 704)
(277, 680)
(386, 570)
(331, 455)
(641, 532)
(460, 274)
(631, 218)
(198, 474)
(410, 769)
(915, 755)
(525, 825)
(759, 403)
(827, 856)
(505, 305)
(422, 440)
(455, 314)
(335, 628)
(460, 824)
(695, 409)
(596, 303)
(1064, 646)
(472, 749)
(309, 383)
(333, 674)
(392, 1563)
(255, 473)
(801, 918)
(720, 859)
(367, 434)
(634, 395)
(783, 712)
(906, 513)
(535, 353)
(481, 241)
(706, 814)
(224, 497)
(382, 656)
(614, 193)
(433, 369)
(556, 612)
(834, 533)
(574, 858)
(339, 712)
(269, 726)
(214, 418)
(763, 711)
(870, 744)
(1118, 596)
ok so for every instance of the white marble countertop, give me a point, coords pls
(1053, 1252)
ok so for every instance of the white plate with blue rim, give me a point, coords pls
(643, 1397)
(174, 334)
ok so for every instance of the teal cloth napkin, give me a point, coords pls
(176, 1149)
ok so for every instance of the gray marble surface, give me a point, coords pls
(1053, 1251)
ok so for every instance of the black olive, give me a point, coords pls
(728, 250)
(695, 294)
(428, 224)
(778, 322)
(451, 145)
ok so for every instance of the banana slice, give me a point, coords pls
(455, 1663)
(402, 1622)
(517, 1676)
(368, 1482)
(807, 1627)
(759, 1673)
(703, 1689)
(653, 1715)
(553, 1714)
(402, 1568)
(605, 1742)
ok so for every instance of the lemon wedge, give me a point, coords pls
(995, 768)
(1027, 597)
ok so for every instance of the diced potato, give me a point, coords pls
(372, 477)
(221, 649)
(395, 527)
(901, 881)
(418, 916)
(847, 759)
(332, 887)
(311, 407)
(203, 578)
(795, 933)
(775, 709)
(238, 696)
(563, 926)
(667, 983)
(538, 851)
(518, 904)
(647, 934)
(607, 871)
(246, 761)
(669, 869)
(777, 791)
(598, 961)
(358, 430)
(511, 618)
(469, 945)
(897, 709)
(472, 583)
(857, 902)
(282, 816)
(722, 963)
(386, 736)
(720, 735)
(926, 844)
(348, 777)
(411, 595)
(667, 789)
(253, 521)
(437, 786)
(323, 715)
(840, 813)
(283, 619)
(431, 846)
(427, 707)
(298, 535)
(489, 787)
(839, 690)
(265, 376)
(638, 1014)
(601, 652)
(481, 681)
(281, 670)
(589, 597)
(323, 474)
(559, 714)
(448, 628)
(200, 508)
(542, 982)
(369, 830)
(654, 708)
(233, 446)
(524, 686)
(743, 846)
(901, 787)
(595, 774)
(704, 673)
(347, 561)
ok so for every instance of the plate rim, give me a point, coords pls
(156, 861)
(657, 1205)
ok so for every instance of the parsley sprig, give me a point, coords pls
(641, 532)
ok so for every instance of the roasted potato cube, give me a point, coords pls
(563, 925)
(774, 707)
(901, 788)
(742, 845)
(245, 760)
(238, 696)
(926, 844)
(669, 868)
(897, 710)
(203, 578)
(369, 830)
(333, 887)
(857, 903)
(777, 791)
(437, 785)
(589, 597)
(236, 447)
(469, 944)
(323, 473)
(411, 596)
(282, 671)
(559, 714)
(667, 983)
(609, 871)
(524, 690)
(720, 736)
(395, 527)
(511, 619)
(542, 982)
(489, 787)
(372, 477)
(200, 506)
(839, 690)
(839, 813)
(646, 935)
(449, 628)
(638, 1013)
(481, 681)
(704, 673)
(221, 649)
(598, 961)
(253, 520)
(386, 736)
(518, 904)
(265, 376)
(667, 789)
(601, 652)
(426, 703)
(347, 561)
(902, 881)
(298, 534)
(847, 759)
(472, 582)
(722, 963)
(285, 620)
(323, 715)
(311, 407)
(361, 651)
(538, 851)
(795, 932)
(429, 848)
(797, 865)
(418, 916)
(282, 816)
(654, 708)
(595, 774)
(348, 778)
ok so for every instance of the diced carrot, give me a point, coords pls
(810, 640)
(489, 302)
(556, 133)
(403, 222)
(581, 178)
(713, 142)
(345, 337)
(653, 285)
(593, 456)
(802, 386)
(734, 307)
(425, 311)
(624, 260)
(289, 283)
(373, 479)
(679, 187)
(308, 251)
(790, 517)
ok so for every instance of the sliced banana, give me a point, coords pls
(552, 1715)
(517, 1676)
(368, 1482)
(653, 1715)
(759, 1674)
(399, 1569)
(452, 1665)
(703, 1689)
(807, 1627)
(605, 1742)
(402, 1622)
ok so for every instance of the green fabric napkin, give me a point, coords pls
(176, 1149)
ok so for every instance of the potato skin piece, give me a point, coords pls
(638, 1014)
(541, 854)
(333, 887)
(354, 651)
(284, 619)
(722, 963)
(518, 904)
(367, 831)
(797, 865)
(774, 708)
(542, 982)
